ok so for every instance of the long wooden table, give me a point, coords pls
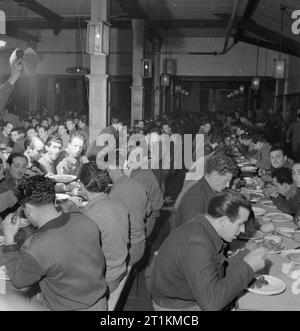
(285, 301)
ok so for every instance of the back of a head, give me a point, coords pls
(259, 138)
(94, 179)
(227, 203)
(36, 190)
(222, 163)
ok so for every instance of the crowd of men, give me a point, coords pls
(78, 253)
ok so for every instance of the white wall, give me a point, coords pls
(239, 61)
(55, 58)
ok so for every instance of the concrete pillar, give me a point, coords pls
(51, 95)
(98, 78)
(156, 78)
(137, 89)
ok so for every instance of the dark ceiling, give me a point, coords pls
(256, 22)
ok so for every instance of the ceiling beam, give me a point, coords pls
(132, 8)
(271, 36)
(53, 18)
(37, 23)
(175, 24)
(269, 45)
(135, 11)
(248, 13)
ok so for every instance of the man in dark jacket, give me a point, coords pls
(64, 256)
(191, 271)
(219, 171)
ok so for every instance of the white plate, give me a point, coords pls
(278, 217)
(62, 196)
(63, 178)
(258, 211)
(268, 204)
(291, 255)
(249, 169)
(275, 286)
(285, 231)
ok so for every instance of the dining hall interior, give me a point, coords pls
(149, 155)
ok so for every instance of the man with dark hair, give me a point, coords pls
(63, 134)
(107, 141)
(18, 139)
(64, 256)
(48, 160)
(17, 166)
(219, 170)
(71, 126)
(278, 160)
(191, 271)
(111, 218)
(286, 195)
(83, 129)
(262, 159)
(43, 133)
(70, 160)
(133, 196)
(5, 134)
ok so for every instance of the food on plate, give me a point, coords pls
(278, 217)
(266, 228)
(258, 282)
(270, 245)
(296, 237)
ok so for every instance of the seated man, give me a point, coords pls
(63, 134)
(278, 160)
(132, 195)
(262, 159)
(191, 271)
(138, 166)
(48, 160)
(71, 126)
(5, 134)
(64, 256)
(34, 148)
(43, 133)
(112, 220)
(286, 195)
(18, 139)
(17, 166)
(218, 173)
(70, 160)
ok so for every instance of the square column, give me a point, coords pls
(98, 78)
(137, 89)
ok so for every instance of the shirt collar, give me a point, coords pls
(57, 222)
(217, 242)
